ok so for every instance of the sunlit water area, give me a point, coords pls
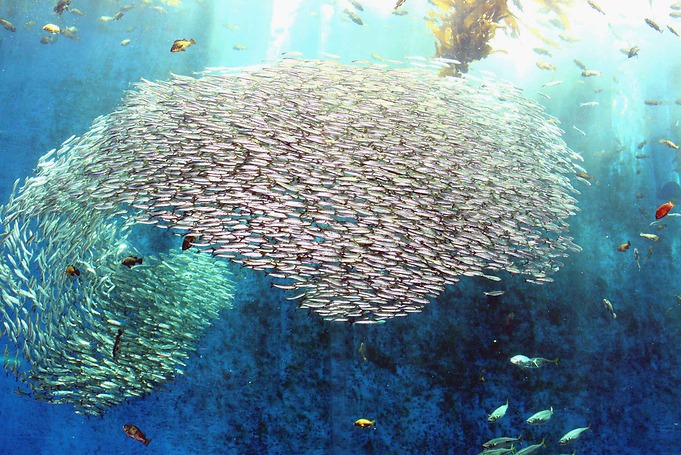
(339, 227)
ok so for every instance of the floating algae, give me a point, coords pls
(366, 189)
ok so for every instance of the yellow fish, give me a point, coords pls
(54, 29)
(181, 44)
(364, 423)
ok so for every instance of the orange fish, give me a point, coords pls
(136, 434)
(72, 271)
(624, 247)
(662, 210)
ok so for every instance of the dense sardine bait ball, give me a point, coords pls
(367, 189)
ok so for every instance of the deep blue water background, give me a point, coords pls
(269, 378)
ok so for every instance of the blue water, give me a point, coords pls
(270, 378)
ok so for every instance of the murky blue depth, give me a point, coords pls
(266, 376)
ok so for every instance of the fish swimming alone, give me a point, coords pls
(364, 423)
(181, 45)
(663, 210)
(541, 417)
(498, 413)
(136, 434)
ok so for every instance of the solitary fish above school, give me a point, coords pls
(541, 417)
(498, 413)
(180, 45)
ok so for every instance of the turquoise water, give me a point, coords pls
(268, 377)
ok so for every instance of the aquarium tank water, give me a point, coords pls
(340, 226)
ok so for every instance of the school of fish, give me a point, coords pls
(360, 189)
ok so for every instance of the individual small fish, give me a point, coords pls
(675, 14)
(580, 132)
(633, 51)
(591, 73)
(76, 11)
(180, 45)
(131, 260)
(668, 143)
(357, 5)
(354, 17)
(62, 5)
(653, 25)
(159, 9)
(70, 32)
(399, 3)
(498, 413)
(641, 144)
(21, 393)
(651, 237)
(552, 83)
(364, 423)
(117, 344)
(573, 435)
(608, 306)
(493, 293)
(72, 270)
(567, 38)
(541, 417)
(136, 434)
(624, 247)
(106, 18)
(239, 47)
(636, 258)
(28, 25)
(500, 442)
(531, 449)
(663, 210)
(7, 25)
(589, 104)
(581, 65)
(653, 102)
(117, 16)
(363, 351)
(671, 29)
(125, 42)
(585, 176)
(188, 241)
(48, 39)
(400, 12)
(641, 156)
(595, 6)
(54, 29)
(541, 51)
(546, 66)
(527, 363)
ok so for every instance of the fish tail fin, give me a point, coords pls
(543, 442)
(192, 41)
(147, 441)
(373, 422)
(555, 360)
